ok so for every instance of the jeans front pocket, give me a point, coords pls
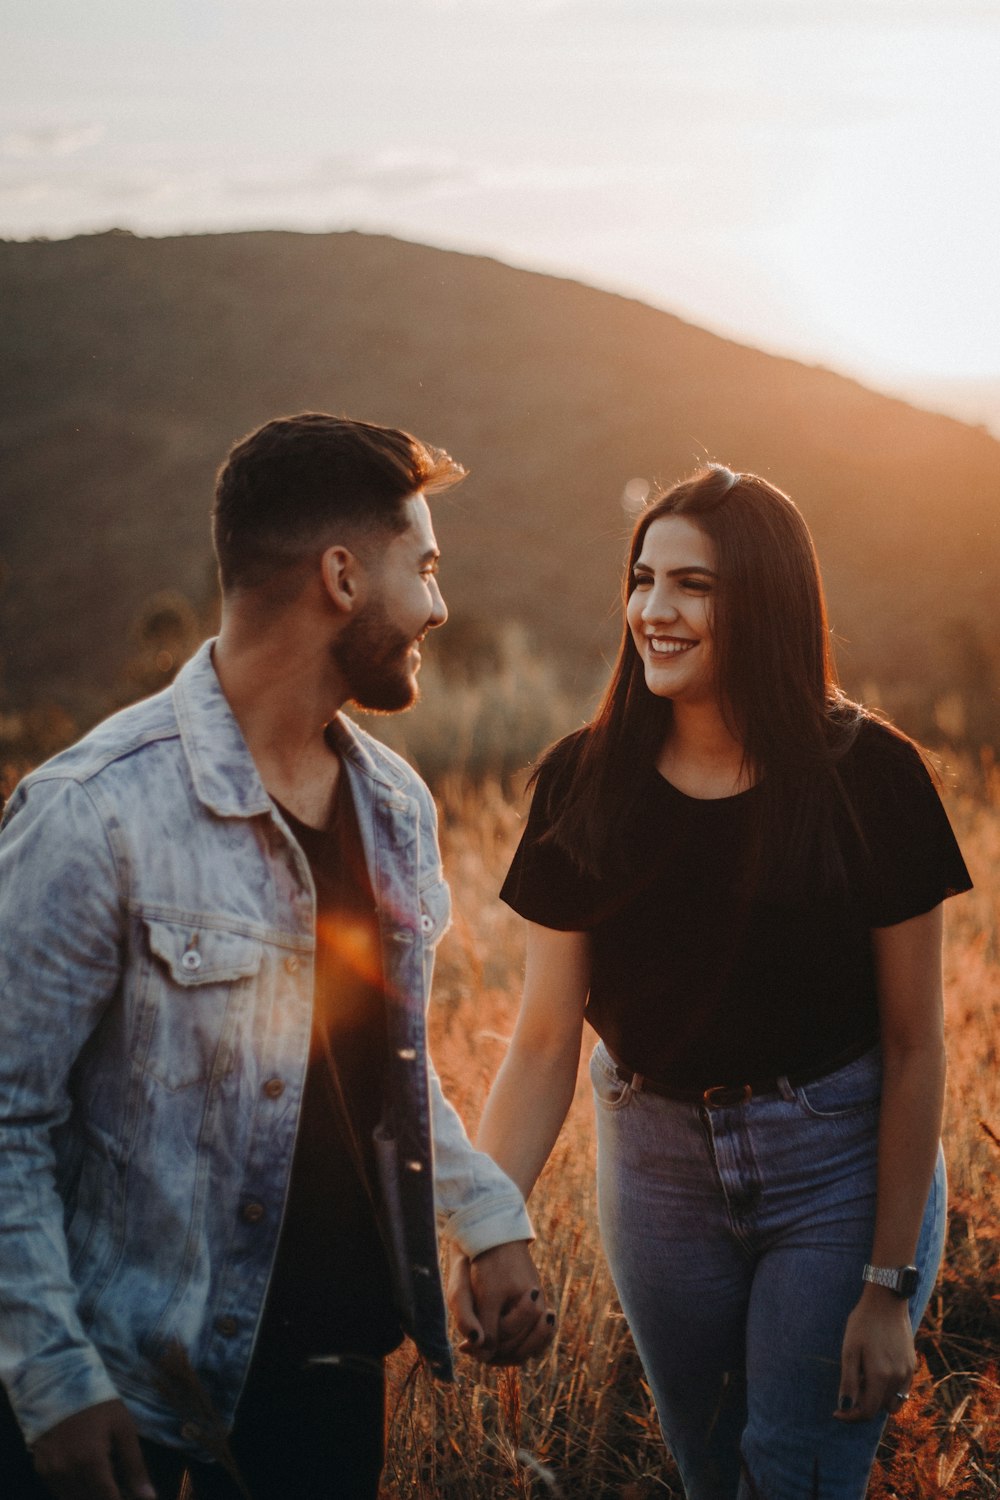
(610, 1091)
(850, 1090)
(196, 974)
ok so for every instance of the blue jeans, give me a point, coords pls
(736, 1238)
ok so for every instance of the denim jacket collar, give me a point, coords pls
(224, 773)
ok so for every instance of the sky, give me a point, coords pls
(816, 177)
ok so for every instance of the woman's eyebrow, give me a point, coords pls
(644, 567)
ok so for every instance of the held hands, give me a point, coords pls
(499, 1306)
(94, 1455)
(878, 1359)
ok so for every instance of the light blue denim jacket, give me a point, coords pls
(156, 989)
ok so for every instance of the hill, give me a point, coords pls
(130, 365)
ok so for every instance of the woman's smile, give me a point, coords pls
(668, 645)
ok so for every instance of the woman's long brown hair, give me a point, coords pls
(776, 684)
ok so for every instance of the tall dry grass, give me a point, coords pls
(580, 1421)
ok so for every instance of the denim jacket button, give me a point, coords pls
(253, 1213)
(292, 964)
(226, 1326)
(191, 960)
(426, 922)
(414, 1166)
(274, 1088)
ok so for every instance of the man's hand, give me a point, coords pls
(94, 1455)
(499, 1305)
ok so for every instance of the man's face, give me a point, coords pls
(378, 651)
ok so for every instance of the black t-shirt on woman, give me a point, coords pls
(694, 985)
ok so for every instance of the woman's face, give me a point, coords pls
(669, 611)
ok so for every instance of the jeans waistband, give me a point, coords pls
(721, 1095)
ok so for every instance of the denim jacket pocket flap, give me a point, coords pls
(435, 911)
(202, 955)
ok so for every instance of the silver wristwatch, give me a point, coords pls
(899, 1279)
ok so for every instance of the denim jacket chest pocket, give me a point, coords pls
(435, 911)
(435, 917)
(196, 979)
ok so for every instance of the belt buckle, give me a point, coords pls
(722, 1094)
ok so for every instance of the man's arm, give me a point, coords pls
(60, 940)
(500, 1307)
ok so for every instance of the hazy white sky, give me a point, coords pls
(820, 177)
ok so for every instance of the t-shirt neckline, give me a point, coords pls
(731, 797)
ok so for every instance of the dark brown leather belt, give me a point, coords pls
(726, 1095)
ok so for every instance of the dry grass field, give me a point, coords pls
(580, 1423)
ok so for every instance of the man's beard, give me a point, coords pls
(373, 658)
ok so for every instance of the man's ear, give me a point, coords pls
(343, 578)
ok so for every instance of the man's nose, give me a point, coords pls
(439, 612)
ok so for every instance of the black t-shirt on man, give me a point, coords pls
(331, 1287)
(693, 985)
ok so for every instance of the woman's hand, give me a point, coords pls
(499, 1306)
(878, 1358)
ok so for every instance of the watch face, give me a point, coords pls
(907, 1282)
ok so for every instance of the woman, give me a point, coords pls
(736, 875)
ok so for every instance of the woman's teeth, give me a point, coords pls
(669, 648)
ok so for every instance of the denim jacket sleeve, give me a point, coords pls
(478, 1204)
(481, 1206)
(60, 935)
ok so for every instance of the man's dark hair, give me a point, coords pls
(299, 484)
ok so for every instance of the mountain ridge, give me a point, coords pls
(132, 364)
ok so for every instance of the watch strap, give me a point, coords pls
(899, 1279)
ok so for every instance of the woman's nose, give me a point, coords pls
(659, 606)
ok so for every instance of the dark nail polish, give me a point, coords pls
(473, 1338)
(550, 1318)
(846, 1403)
(535, 1295)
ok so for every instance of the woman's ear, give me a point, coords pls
(342, 574)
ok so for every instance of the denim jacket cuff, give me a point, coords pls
(57, 1389)
(480, 1226)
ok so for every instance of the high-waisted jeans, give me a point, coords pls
(736, 1238)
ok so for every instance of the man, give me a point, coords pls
(218, 914)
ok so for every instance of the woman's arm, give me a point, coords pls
(534, 1088)
(524, 1114)
(878, 1356)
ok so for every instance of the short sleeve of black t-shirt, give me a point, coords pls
(543, 883)
(912, 861)
(692, 984)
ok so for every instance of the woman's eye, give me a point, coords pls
(698, 585)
